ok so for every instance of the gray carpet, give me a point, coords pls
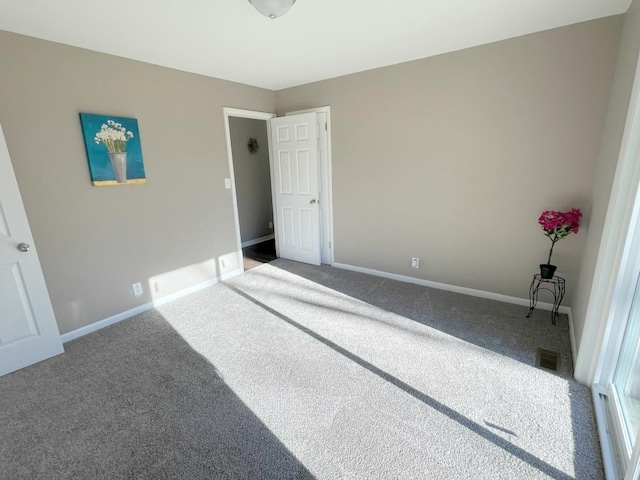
(292, 371)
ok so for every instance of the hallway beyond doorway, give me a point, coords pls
(256, 255)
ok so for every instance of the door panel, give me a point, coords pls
(306, 229)
(295, 150)
(4, 228)
(304, 174)
(15, 305)
(288, 236)
(285, 172)
(28, 328)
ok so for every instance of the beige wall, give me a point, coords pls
(605, 170)
(175, 231)
(452, 158)
(252, 177)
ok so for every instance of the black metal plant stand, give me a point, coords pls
(554, 285)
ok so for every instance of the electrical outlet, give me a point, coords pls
(227, 183)
(137, 289)
(415, 262)
(270, 225)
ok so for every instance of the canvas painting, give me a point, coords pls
(113, 149)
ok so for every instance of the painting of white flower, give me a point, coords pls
(113, 149)
(114, 136)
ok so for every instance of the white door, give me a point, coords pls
(294, 141)
(326, 223)
(28, 329)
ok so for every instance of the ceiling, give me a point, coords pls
(316, 40)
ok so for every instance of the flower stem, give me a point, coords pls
(553, 242)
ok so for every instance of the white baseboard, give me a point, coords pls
(255, 241)
(100, 324)
(452, 288)
(227, 276)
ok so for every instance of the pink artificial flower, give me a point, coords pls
(557, 225)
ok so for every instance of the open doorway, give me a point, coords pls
(250, 152)
(251, 181)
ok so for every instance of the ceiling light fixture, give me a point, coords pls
(272, 8)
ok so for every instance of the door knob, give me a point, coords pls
(24, 247)
(313, 202)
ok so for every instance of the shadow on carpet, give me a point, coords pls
(135, 401)
(497, 326)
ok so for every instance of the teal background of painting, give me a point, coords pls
(97, 154)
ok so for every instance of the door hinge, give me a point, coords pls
(326, 129)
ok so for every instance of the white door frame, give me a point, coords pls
(602, 332)
(237, 112)
(611, 297)
(327, 110)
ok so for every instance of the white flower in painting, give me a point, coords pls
(114, 136)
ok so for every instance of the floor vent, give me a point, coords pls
(548, 359)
